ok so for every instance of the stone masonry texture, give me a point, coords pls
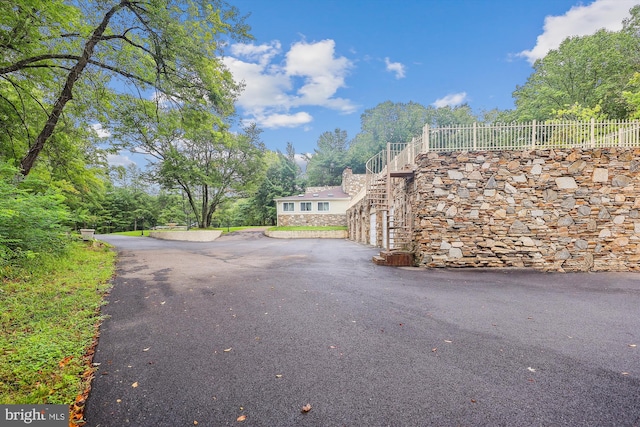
(319, 220)
(554, 210)
(352, 183)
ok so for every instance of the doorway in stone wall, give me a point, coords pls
(373, 230)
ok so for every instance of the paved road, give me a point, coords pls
(253, 327)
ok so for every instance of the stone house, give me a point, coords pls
(320, 206)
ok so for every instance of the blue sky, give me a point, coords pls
(316, 65)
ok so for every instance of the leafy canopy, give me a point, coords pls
(588, 71)
(60, 54)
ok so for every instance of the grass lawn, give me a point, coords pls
(232, 229)
(49, 316)
(133, 233)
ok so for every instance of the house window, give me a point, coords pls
(287, 207)
(323, 206)
(305, 206)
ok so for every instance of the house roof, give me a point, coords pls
(332, 193)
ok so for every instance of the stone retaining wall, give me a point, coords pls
(307, 234)
(564, 210)
(352, 183)
(315, 220)
(359, 222)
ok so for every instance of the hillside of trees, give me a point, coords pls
(151, 73)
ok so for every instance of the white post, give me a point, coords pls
(475, 137)
(593, 132)
(533, 134)
(620, 137)
(412, 158)
(425, 138)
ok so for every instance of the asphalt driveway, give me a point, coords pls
(247, 330)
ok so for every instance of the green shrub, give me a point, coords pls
(30, 222)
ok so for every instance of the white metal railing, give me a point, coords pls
(532, 136)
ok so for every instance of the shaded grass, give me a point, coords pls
(232, 229)
(132, 233)
(49, 315)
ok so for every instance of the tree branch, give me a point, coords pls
(25, 62)
(67, 92)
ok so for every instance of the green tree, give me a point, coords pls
(30, 222)
(192, 150)
(386, 122)
(124, 209)
(282, 178)
(51, 48)
(631, 25)
(326, 164)
(577, 112)
(589, 71)
(172, 207)
(72, 162)
(398, 123)
(129, 203)
(632, 96)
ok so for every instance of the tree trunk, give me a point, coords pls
(212, 209)
(205, 206)
(67, 92)
(192, 203)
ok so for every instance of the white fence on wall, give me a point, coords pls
(533, 135)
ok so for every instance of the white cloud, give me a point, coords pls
(263, 88)
(100, 131)
(579, 21)
(395, 67)
(451, 100)
(274, 121)
(263, 53)
(309, 75)
(118, 160)
(322, 72)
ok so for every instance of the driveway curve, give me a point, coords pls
(248, 330)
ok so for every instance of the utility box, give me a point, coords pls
(87, 233)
